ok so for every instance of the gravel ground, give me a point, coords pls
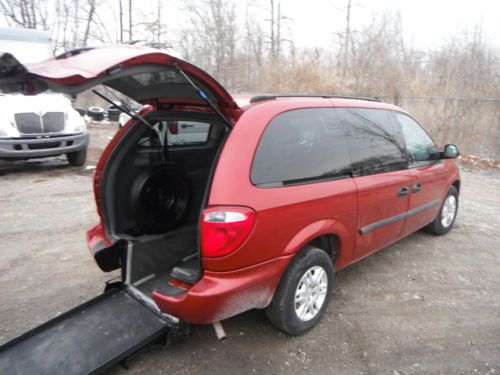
(426, 305)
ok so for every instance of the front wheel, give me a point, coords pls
(78, 158)
(303, 293)
(446, 217)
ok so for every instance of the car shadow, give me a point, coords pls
(58, 165)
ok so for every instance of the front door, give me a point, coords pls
(428, 176)
(379, 163)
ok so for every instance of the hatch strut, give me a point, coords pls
(132, 114)
(205, 97)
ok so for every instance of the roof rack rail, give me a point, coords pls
(73, 52)
(260, 98)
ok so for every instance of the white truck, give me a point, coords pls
(43, 125)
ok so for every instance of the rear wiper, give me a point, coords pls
(132, 114)
(204, 96)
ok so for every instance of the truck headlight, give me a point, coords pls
(75, 123)
(7, 127)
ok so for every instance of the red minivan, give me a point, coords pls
(252, 207)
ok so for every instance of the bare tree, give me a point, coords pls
(30, 14)
(90, 18)
(213, 42)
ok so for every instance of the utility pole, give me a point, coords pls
(278, 34)
(273, 40)
(158, 34)
(121, 20)
(130, 20)
(347, 36)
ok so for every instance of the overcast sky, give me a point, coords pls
(427, 22)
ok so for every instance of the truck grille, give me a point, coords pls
(33, 123)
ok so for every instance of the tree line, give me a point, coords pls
(249, 47)
(247, 52)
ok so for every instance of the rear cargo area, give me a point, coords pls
(154, 189)
(155, 260)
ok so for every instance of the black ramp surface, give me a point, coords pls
(85, 339)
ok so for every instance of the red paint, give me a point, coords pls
(244, 275)
(288, 218)
(435, 180)
(96, 238)
(378, 200)
(220, 295)
(98, 62)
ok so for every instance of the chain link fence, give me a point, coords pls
(471, 123)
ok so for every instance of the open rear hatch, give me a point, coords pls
(146, 75)
(87, 339)
(150, 77)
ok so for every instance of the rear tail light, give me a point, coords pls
(173, 126)
(224, 229)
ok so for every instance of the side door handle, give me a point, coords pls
(403, 191)
(416, 187)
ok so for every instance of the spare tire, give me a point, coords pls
(159, 198)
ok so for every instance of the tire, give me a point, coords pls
(96, 113)
(113, 113)
(78, 158)
(159, 199)
(283, 311)
(443, 222)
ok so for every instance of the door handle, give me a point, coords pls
(403, 191)
(416, 188)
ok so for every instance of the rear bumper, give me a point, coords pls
(220, 295)
(26, 148)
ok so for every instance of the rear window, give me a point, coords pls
(375, 140)
(301, 146)
(179, 132)
(155, 78)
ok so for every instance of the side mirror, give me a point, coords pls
(450, 152)
(80, 111)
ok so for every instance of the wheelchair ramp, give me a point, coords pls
(86, 339)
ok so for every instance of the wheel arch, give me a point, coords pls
(327, 235)
(329, 243)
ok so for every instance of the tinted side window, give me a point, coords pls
(299, 146)
(418, 142)
(375, 140)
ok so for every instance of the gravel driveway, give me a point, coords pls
(425, 305)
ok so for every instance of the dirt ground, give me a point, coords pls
(427, 305)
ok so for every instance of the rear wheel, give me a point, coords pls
(303, 293)
(78, 158)
(446, 217)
